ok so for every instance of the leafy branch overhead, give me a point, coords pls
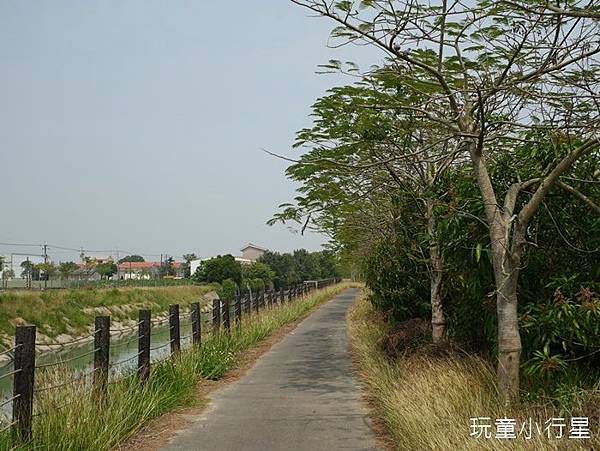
(484, 112)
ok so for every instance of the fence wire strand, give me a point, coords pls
(127, 329)
(70, 381)
(10, 351)
(11, 373)
(8, 401)
(5, 428)
(121, 362)
(70, 359)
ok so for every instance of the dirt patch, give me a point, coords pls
(157, 433)
(405, 336)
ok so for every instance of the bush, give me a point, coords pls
(218, 269)
(227, 290)
(398, 283)
(257, 271)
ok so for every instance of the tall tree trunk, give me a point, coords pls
(506, 273)
(509, 339)
(436, 268)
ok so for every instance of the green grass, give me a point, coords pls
(425, 399)
(72, 312)
(87, 423)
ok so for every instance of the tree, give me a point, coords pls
(167, 268)
(7, 274)
(258, 270)
(132, 258)
(366, 156)
(227, 290)
(106, 270)
(187, 265)
(66, 269)
(47, 270)
(281, 264)
(298, 266)
(493, 73)
(30, 271)
(218, 269)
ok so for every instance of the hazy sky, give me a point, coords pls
(138, 125)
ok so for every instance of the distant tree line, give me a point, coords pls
(273, 269)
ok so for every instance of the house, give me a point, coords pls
(85, 272)
(147, 270)
(250, 254)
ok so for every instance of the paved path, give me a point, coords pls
(300, 395)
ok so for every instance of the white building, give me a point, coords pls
(250, 253)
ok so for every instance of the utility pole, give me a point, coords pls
(118, 264)
(28, 279)
(45, 246)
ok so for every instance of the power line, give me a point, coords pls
(20, 244)
(46, 247)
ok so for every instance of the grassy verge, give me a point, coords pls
(426, 399)
(85, 423)
(72, 312)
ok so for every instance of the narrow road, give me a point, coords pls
(300, 395)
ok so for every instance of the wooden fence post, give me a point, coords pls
(24, 367)
(216, 317)
(226, 323)
(281, 295)
(101, 354)
(196, 324)
(144, 330)
(257, 301)
(174, 331)
(238, 308)
(289, 294)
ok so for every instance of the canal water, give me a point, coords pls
(80, 358)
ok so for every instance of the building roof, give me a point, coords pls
(140, 265)
(253, 246)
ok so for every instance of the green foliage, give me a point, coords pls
(72, 311)
(257, 271)
(172, 384)
(67, 268)
(227, 290)
(46, 270)
(300, 265)
(397, 282)
(132, 258)
(218, 269)
(564, 329)
(106, 270)
(187, 258)
(30, 270)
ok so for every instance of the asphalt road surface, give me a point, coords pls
(299, 396)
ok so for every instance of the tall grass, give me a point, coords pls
(426, 399)
(89, 423)
(72, 312)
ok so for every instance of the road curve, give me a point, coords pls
(299, 396)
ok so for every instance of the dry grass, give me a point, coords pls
(72, 311)
(426, 399)
(71, 418)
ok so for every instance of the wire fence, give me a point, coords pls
(53, 384)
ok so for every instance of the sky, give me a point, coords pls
(139, 125)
